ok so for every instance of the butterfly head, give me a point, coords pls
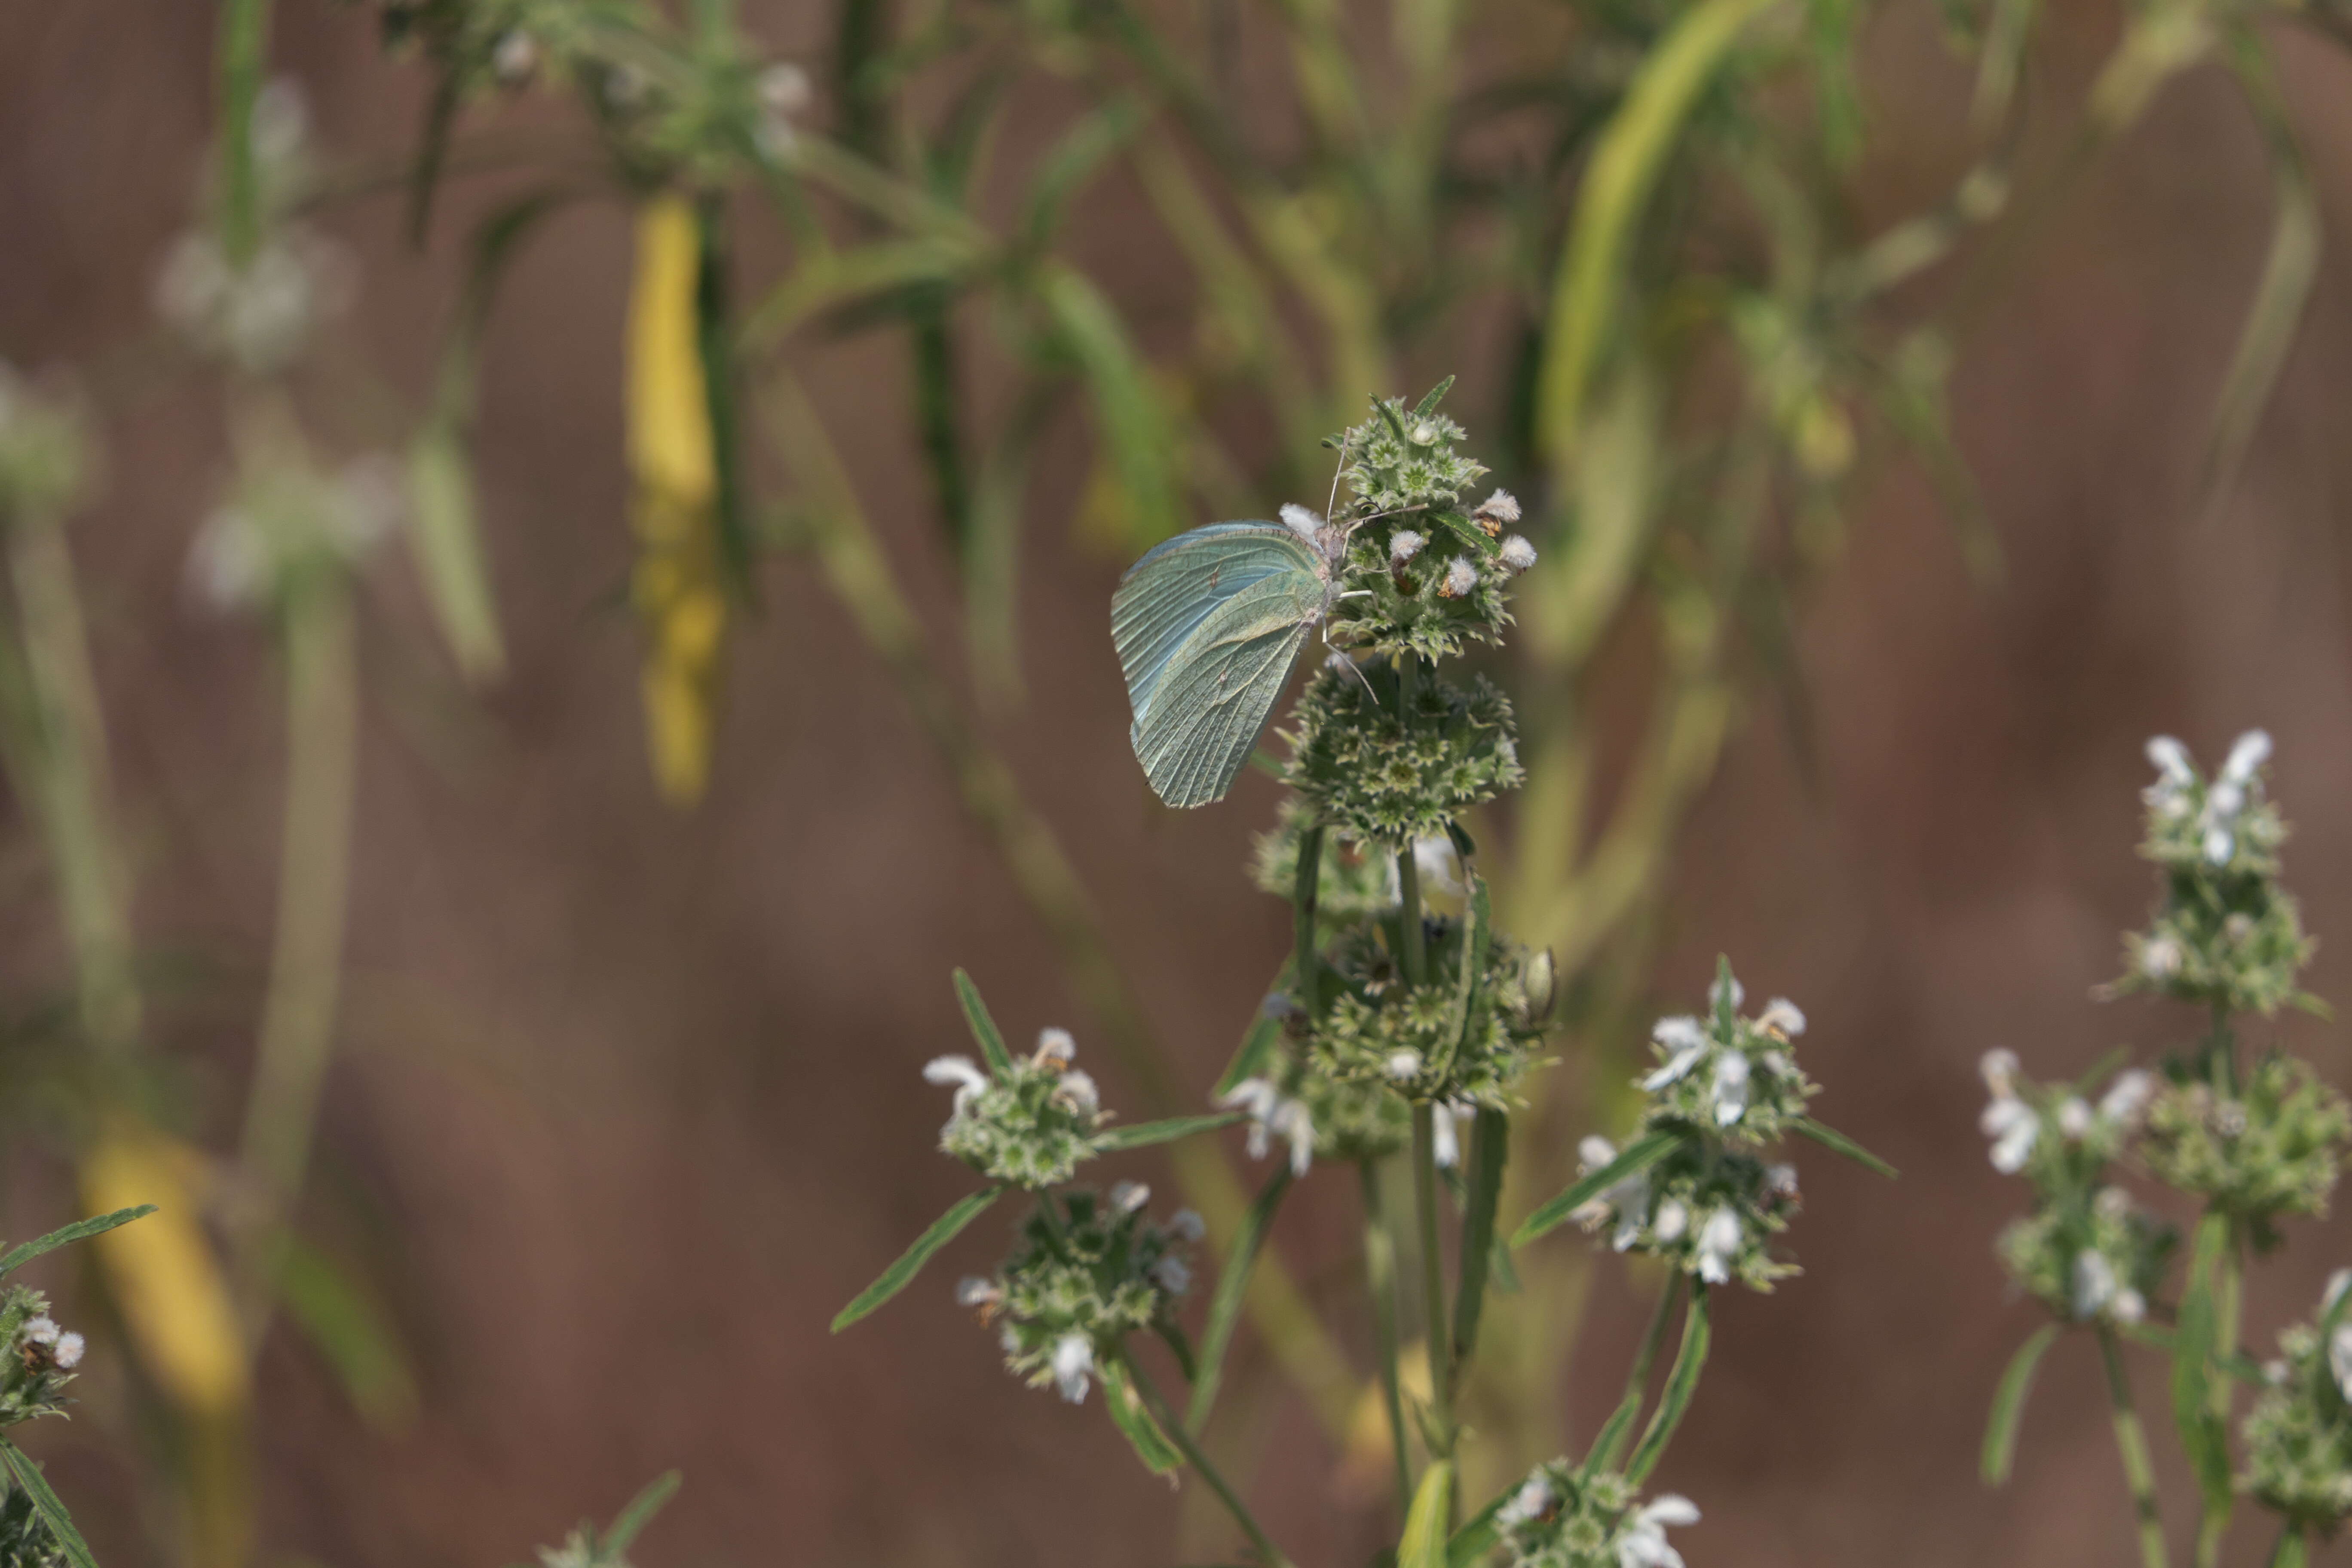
(1330, 542)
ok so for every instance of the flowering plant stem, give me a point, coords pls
(1433, 1277)
(298, 1021)
(2131, 1443)
(1269, 1555)
(1381, 1283)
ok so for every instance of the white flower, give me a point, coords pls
(1171, 1275)
(784, 88)
(68, 1355)
(1724, 987)
(2219, 845)
(1688, 1042)
(1187, 1226)
(1730, 1089)
(1074, 1363)
(2014, 1128)
(39, 1331)
(1781, 1181)
(513, 57)
(1301, 521)
(1644, 1544)
(2095, 1283)
(1425, 434)
(1781, 1016)
(1056, 1048)
(2246, 758)
(2073, 1118)
(2128, 1306)
(970, 1080)
(1438, 865)
(974, 1293)
(1128, 1196)
(2340, 1357)
(1444, 1143)
(1530, 1502)
(2112, 1204)
(1631, 1199)
(1595, 1151)
(2160, 955)
(1461, 576)
(1718, 1244)
(1500, 507)
(1076, 1090)
(1672, 1220)
(1402, 1065)
(1270, 1115)
(1404, 544)
(2128, 1096)
(1517, 554)
(2170, 760)
(1998, 1066)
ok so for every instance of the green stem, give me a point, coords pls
(1269, 1555)
(67, 784)
(2291, 1551)
(1380, 1280)
(244, 55)
(298, 1020)
(2131, 1443)
(1432, 1278)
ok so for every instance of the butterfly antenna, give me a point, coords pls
(1353, 667)
(1337, 468)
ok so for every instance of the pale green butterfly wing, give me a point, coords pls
(1164, 597)
(1207, 625)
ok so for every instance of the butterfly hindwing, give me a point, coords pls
(1208, 626)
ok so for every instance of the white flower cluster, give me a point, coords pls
(1033, 1125)
(58, 1348)
(1665, 1222)
(1549, 1522)
(252, 547)
(2236, 787)
(1741, 1067)
(2015, 1126)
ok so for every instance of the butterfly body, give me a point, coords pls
(1208, 624)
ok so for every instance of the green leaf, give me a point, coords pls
(1232, 1284)
(1682, 1383)
(1423, 1544)
(46, 1504)
(1488, 1150)
(1134, 1422)
(1429, 399)
(1478, 1538)
(1837, 1143)
(1609, 1441)
(1231, 1289)
(896, 1277)
(632, 1519)
(351, 1332)
(1171, 1334)
(80, 1230)
(1066, 167)
(2203, 1437)
(1257, 1040)
(1636, 1157)
(1624, 169)
(1144, 1134)
(2009, 1405)
(1128, 415)
(983, 1027)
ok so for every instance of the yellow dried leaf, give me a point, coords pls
(164, 1277)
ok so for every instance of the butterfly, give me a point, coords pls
(1208, 624)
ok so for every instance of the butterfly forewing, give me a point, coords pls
(1207, 628)
(1164, 597)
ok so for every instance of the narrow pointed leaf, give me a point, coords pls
(983, 1027)
(2009, 1405)
(1232, 1286)
(1134, 1421)
(1636, 1157)
(1609, 1441)
(1256, 1042)
(1431, 398)
(1682, 1383)
(1837, 1143)
(1425, 1543)
(1143, 1134)
(47, 1503)
(896, 1277)
(80, 1230)
(1476, 1539)
(630, 1521)
(1488, 1150)
(2203, 1437)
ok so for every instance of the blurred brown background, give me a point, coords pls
(629, 1101)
